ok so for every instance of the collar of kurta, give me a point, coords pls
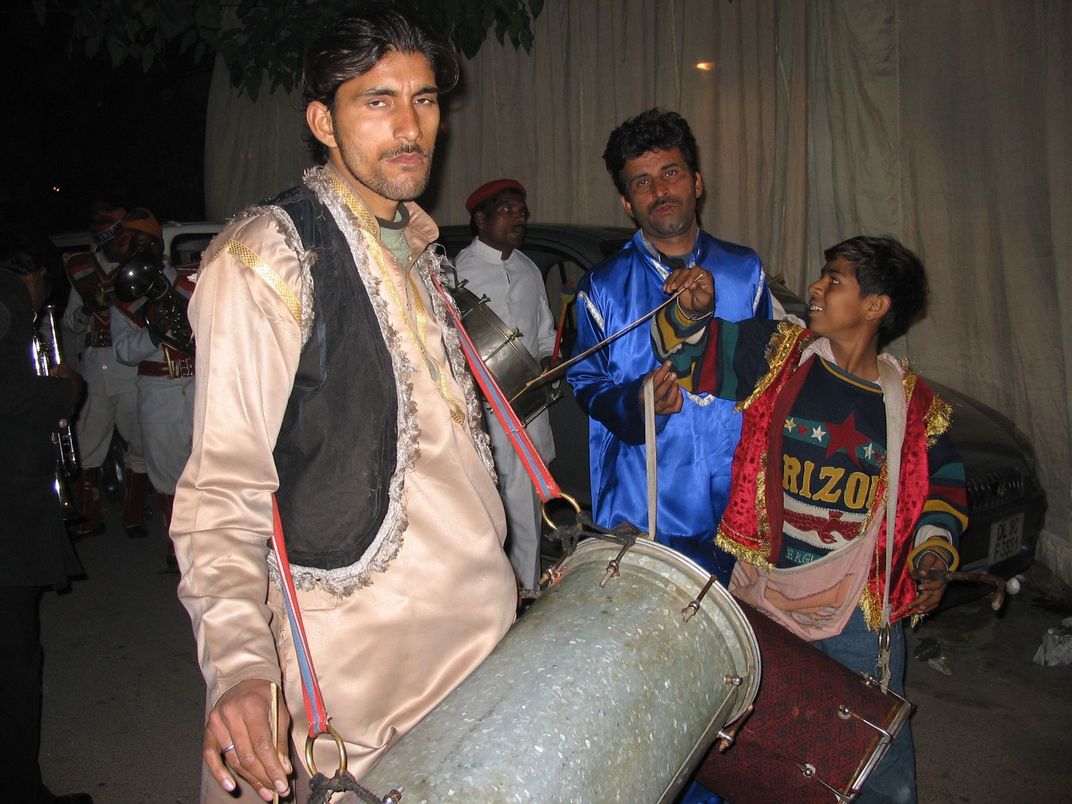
(490, 253)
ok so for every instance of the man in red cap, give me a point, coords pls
(144, 336)
(493, 266)
(111, 387)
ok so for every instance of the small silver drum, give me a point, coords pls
(597, 694)
(505, 356)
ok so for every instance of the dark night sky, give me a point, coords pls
(94, 131)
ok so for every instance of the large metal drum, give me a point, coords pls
(597, 694)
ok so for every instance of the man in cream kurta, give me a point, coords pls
(430, 592)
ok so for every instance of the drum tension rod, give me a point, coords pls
(624, 534)
(727, 735)
(690, 610)
(845, 713)
(614, 566)
(811, 772)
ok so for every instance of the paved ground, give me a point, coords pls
(124, 698)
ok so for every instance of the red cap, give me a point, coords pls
(492, 188)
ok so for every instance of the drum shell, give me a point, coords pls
(505, 356)
(595, 694)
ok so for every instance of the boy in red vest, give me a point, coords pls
(823, 406)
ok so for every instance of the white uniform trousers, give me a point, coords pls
(522, 504)
(166, 412)
(99, 415)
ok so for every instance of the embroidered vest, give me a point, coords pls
(751, 527)
(336, 448)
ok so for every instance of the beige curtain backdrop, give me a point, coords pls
(946, 123)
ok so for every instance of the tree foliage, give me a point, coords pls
(262, 41)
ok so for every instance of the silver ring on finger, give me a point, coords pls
(228, 748)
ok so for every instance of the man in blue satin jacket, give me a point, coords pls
(652, 159)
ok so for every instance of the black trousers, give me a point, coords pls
(20, 694)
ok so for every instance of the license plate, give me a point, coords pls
(1006, 535)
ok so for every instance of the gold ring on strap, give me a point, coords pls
(310, 741)
(547, 518)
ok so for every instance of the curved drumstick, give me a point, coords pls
(576, 358)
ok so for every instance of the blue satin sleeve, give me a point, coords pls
(613, 401)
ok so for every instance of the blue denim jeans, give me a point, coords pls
(894, 780)
(696, 793)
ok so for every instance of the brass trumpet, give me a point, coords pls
(46, 356)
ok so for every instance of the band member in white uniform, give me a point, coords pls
(111, 388)
(165, 374)
(493, 266)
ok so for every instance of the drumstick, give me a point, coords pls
(273, 718)
(563, 366)
(651, 463)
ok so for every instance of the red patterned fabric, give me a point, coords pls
(796, 721)
(84, 272)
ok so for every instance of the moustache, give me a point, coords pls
(402, 150)
(662, 203)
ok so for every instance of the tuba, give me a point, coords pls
(46, 356)
(142, 276)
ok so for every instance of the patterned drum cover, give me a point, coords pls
(597, 694)
(817, 731)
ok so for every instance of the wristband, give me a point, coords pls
(936, 544)
(686, 317)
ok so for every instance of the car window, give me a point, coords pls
(609, 247)
(187, 248)
(560, 281)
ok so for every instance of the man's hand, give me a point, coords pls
(239, 723)
(64, 371)
(698, 297)
(930, 589)
(667, 392)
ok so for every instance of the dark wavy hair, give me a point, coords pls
(886, 268)
(356, 42)
(648, 131)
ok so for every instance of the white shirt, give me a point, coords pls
(516, 294)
